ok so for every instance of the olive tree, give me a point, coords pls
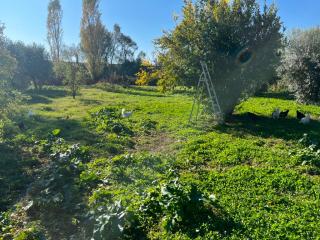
(33, 65)
(300, 66)
(237, 39)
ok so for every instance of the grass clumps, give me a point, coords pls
(270, 202)
(153, 176)
(182, 207)
(109, 120)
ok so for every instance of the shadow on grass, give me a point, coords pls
(90, 101)
(49, 92)
(71, 130)
(277, 95)
(14, 174)
(286, 129)
(44, 95)
(35, 99)
(132, 90)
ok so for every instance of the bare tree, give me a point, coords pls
(54, 28)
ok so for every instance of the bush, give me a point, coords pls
(59, 186)
(30, 234)
(147, 74)
(176, 206)
(301, 65)
(108, 120)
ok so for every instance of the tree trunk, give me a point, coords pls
(35, 84)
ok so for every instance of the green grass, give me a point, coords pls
(265, 181)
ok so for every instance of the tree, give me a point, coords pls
(18, 50)
(300, 66)
(127, 48)
(7, 68)
(38, 67)
(71, 69)
(148, 74)
(32, 65)
(237, 40)
(114, 44)
(54, 28)
(94, 38)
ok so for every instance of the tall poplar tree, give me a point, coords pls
(54, 28)
(94, 38)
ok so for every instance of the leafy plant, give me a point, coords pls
(182, 207)
(30, 234)
(109, 221)
(56, 132)
(5, 223)
(59, 185)
(108, 120)
(310, 152)
(147, 126)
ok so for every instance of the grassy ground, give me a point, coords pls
(262, 176)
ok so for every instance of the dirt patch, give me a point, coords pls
(159, 142)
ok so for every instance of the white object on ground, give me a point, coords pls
(276, 113)
(306, 119)
(30, 113)
(125, 114)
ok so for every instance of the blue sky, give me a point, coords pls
(143, 20)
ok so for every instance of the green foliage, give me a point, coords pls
(108, 120)
(301, 64)
(280, 196)
(147, 126)
(30, 234)
(59, 185)
(243, 180)
(182, 207)
(56, 132)
(7, 69)
(33, 65)
(237, 40)
(94, 38)
(5, 223)
(310, 155)
(1, 131)
(147, 74)
(71, 70)
(110, 222)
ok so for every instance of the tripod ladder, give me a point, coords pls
(205, 83)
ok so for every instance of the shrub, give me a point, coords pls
(110, 221)
(108, 120)
(30, 234)
(147, 74)
(301, 64)
(176, 206)
(58, 187)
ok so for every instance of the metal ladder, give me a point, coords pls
(205, 82)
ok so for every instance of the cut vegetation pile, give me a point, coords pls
(97, 175)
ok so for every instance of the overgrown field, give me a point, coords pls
(77, 170)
